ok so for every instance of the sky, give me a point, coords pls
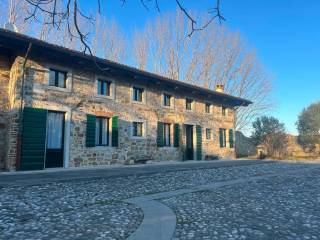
(285, 34)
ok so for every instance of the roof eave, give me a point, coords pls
(24, 41)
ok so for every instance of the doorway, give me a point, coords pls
(55, 139)
(189, 142)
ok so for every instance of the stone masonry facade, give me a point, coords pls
(4, 84)
(80, 98)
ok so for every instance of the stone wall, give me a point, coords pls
(244, 146)
(79, 99)
(4, 105)
(14, 97)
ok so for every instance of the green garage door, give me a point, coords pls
(33, 139)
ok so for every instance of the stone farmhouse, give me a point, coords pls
(64, 108)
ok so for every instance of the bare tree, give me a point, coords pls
(213, 56)
(140, 48)
(14, 11)
(108, 41)
(70, 13)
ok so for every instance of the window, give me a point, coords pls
(137, 129)
(167, 100)
(222, 136)
(224, 110)
(102, 131)
(208, 108)
(137, 94)
(208, 133)
(104, 87)
(189, 104)
(167, 134)
(57, 78)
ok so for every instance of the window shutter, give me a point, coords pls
(231, 144)
(221, 137)
(176, 135)
(91, 131)
(115, 131)
(199, 142)
(160, 137)
(33, 144)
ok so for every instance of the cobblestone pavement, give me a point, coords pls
(95, 209)
(284, 207)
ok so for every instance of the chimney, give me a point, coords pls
(11, 27)
(220, 88)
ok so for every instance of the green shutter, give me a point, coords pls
(176, 135)
(231, 138)
(199, 142)
(33, 142)
(221, 137)
(91, 131)
(160, 137)
(115, 131)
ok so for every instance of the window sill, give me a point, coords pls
(168, 107)
(169, 148)
(138, 138)
(138, 102)
(102, 146)
(104, 97)
(58, 89)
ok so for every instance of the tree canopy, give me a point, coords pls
(308, 125)
(271, 133)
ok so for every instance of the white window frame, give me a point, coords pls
(172, 100)
(210, 108)
(144, 94)
(144, 129)
(226, 111)
(109, 130)
(211, 134)
(69, 79)
(112, 87)
(192, 104)
(171, 135)
(51, 106)
(225, 140)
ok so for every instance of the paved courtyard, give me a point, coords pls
(260, 200)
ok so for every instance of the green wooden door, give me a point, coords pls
(199, 142)
(176, 139)
(189, 142)
(115, 131)
(91, 131)
(160, 137)
(33, 144)
(231, 138)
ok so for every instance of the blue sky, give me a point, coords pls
(286, 35)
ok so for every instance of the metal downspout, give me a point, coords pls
(18, 154)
